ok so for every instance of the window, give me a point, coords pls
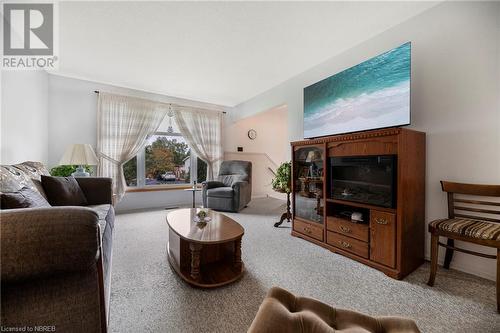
(166, 160)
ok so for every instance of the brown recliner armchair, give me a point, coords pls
(283, 312)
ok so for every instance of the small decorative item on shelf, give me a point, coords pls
(357, 217)
(282, 183)
(312, 158)
(202, 216)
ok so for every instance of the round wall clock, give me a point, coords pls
(252, 134)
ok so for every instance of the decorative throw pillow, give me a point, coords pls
(24, 198)
(63, 191)
(38, 185)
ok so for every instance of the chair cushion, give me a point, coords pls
(468, 228)
(220, 192)
(63, 191)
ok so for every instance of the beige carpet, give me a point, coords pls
(147, 296)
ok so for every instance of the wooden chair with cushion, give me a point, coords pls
(469, 220)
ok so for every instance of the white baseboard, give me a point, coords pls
(277, 197)
(260, 195)
(466, 269)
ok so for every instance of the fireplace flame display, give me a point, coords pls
(365, 179)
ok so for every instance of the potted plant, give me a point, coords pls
(282, 183)
(67, 170)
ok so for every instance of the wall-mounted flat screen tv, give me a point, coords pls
(374, 94)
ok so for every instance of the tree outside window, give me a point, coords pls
(166, 160)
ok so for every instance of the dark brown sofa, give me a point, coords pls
(283, 312)
(56, 261)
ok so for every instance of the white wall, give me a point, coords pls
(73, 119)
(455, 98)
(268, 150)
(272, 134)
(24, 117)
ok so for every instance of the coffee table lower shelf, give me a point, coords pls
(212, 275)
(205, 255)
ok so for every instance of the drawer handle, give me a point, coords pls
(307, 230)
(345, 229)
(345, 244)
(380, 220)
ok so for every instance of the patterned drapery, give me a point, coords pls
(202, 129)
(123, 126)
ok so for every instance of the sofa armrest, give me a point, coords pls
(98, 191)
(38, 242)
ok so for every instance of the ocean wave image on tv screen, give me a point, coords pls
(373, 94)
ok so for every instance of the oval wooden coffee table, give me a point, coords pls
(206, 255)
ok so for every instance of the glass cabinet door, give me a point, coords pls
(308, 183)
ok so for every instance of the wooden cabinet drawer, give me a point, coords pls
(383, 238)
(344, 227)
(308, 229)
(347, 243)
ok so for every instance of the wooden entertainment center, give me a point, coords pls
(387, 235)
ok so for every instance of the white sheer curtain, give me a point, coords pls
(123, 126)
(202, 129)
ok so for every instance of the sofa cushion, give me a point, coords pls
(106, 215)
(63, 191)
(25, 198)
(220, 192)
(37, 184)
(12, 179)
(103, 211)
(33, 170)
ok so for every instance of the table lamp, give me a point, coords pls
(81, 155)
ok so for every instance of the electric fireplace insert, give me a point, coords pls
(365, 179)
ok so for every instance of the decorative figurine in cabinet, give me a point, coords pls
(308, 166)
